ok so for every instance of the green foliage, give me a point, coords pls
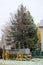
(23, 29)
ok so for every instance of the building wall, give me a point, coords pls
(41, 39)
(4, 44)
(1, 45)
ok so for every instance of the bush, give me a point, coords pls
(6, 55)
(12, 56)
(1, 51)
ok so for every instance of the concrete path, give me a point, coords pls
(12, 62)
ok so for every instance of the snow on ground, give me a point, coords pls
(13, 62)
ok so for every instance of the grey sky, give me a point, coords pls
(9, 6)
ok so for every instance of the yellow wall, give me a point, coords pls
(39, 34)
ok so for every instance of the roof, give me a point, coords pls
(24, 51)
(40, 24)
